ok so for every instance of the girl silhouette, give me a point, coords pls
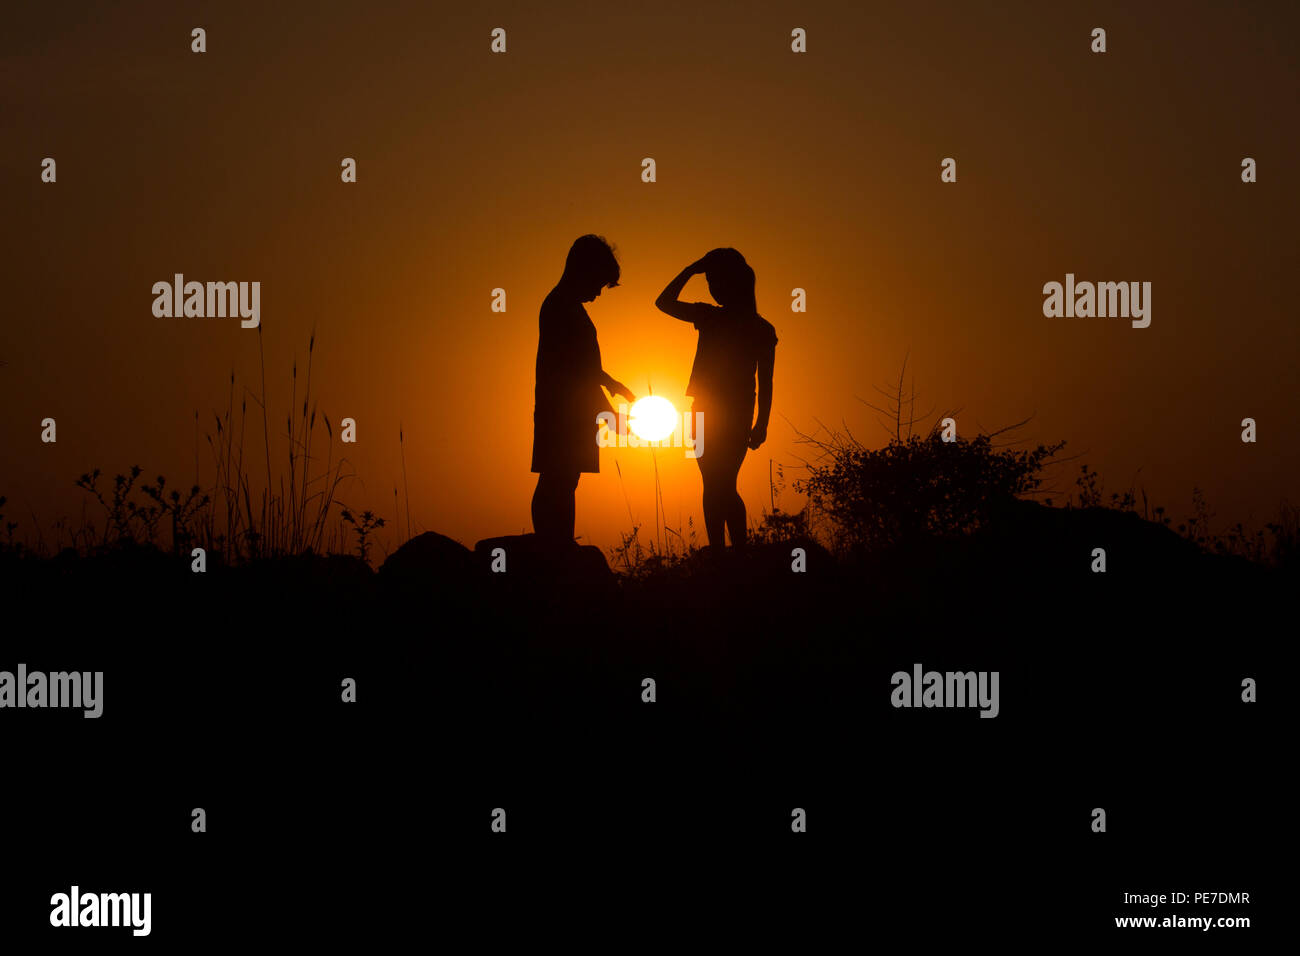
(736, 344)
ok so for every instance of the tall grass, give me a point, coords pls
(297, 511)
(295, 514)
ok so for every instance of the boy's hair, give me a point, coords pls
(591, 257)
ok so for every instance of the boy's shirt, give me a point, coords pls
(568, 361)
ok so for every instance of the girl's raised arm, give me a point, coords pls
(669, 303)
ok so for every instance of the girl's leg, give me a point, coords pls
(715, 504)
(723, 507)
(734, 504)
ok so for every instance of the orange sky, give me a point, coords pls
(477, 171)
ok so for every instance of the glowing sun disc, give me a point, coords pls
(652, 418)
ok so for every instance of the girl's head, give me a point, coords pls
(731, 280)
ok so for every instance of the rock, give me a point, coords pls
(429, 553)
(430, 566)
(538, 569)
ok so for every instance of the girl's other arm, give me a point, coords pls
(766, 364)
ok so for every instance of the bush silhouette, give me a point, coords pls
(915, 487)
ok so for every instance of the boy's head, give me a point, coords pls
(590, 267)
(730, 279)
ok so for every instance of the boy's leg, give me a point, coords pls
(553, 505)
(538, 509)
(567, 495)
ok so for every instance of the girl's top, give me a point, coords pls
(732, 346)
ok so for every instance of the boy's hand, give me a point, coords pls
(618, 388)
(757, 435)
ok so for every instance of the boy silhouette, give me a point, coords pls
(568, 393)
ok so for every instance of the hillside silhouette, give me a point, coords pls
(889, 562)
(479, 688)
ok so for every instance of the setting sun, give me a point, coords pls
(652, 418)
